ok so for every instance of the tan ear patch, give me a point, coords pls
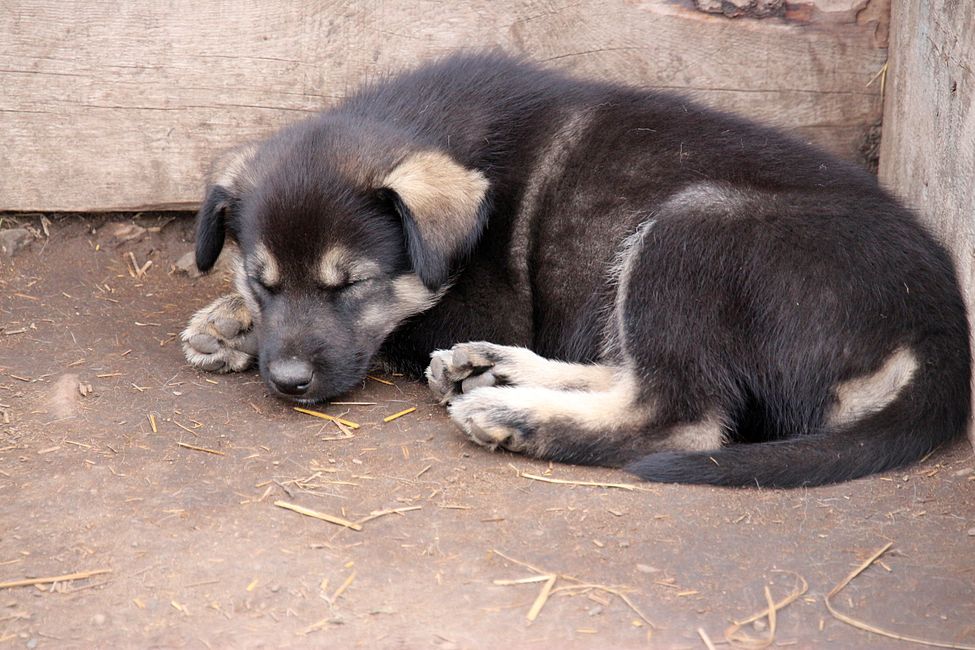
(442, 195)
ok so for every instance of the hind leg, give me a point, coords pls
(467, 366)
(601, 427)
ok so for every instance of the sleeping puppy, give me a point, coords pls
(602, 275)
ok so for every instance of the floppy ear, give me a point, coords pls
(228, 181)
(443, 207)
(211, 227)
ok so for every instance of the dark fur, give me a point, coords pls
(755, 308)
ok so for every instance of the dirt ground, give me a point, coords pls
(157, 484)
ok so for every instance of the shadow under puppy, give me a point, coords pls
(602, 274)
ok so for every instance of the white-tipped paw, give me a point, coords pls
(467, 366)
(488, 420)
(221, 337)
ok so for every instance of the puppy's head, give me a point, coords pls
(344, 234)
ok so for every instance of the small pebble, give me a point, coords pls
(187, 264)
(760, 625)
(99, 619)
(125, 232)
(14, 240)
(971, 532)
(646, 568)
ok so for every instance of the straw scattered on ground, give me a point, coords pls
(736, 637)
(326, 416)
(873, 629)
(546, 479)
(382, 513)
(186, 445)
(68, 577)
(578, 587)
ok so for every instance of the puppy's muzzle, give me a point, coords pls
(290, 376)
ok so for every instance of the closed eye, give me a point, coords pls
(345, 285)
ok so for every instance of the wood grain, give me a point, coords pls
(120, 106)
(927, 154)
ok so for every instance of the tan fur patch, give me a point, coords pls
(410, 298)
(868, 394)
(265, 266)
(704, 435)
(230, 170)
(589, 410)
(521, 366)
(442, 195)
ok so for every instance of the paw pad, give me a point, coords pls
(221, 336)
(460, 370)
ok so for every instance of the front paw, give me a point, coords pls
(221, 337)
(489, 421)
(463, 368)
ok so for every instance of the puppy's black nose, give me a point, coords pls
(290, 376)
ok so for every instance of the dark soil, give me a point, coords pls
(198, 555)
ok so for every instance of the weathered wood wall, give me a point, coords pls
(114, 105)
(927, 154)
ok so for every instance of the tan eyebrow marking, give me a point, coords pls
(339, 266)
(266, 266)
(333, 266)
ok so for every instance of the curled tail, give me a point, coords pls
(932, 408)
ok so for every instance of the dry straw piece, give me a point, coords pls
(545, 479)
(542, 598)
(69, 577)
(736, 637)
(326, 416)
(390, 418)
(867, 627)
(332, 519)
(382, 513)
(342, 588)
(207, 450)
(708, 643)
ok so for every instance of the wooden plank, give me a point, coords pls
(927, 155)
(120, 106)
